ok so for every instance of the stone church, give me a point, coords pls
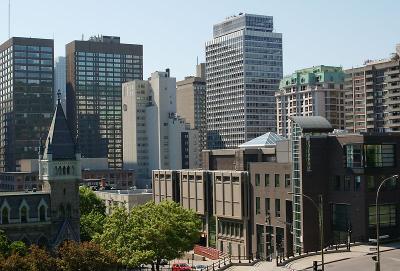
(50, 216)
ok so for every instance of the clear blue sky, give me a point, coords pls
(173, 33)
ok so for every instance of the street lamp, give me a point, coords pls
(378, 263)
(320, 210)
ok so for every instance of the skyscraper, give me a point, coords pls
(26, 103)
(155, 137)
(372, 96)
(60, 73)
(191, 102)
(243, 70)
(96, 70)
(315, 91)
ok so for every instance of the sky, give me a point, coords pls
(173, 33)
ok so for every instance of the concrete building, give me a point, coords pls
(96, 70)
(26, 91)
(372, 94)
(316, 91)
(154, 136)
(124, 198)
(191, 103)
(51, 216)
(19, 181)
(60, 81)
(345, 169)
(243, 70)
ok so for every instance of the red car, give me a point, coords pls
(181, 267)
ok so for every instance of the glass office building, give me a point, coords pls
(96, 70)
(26, 97)
(243, 70)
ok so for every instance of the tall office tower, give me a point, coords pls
(316, 91)
(243, 70)
(191, 102)
(26, 104)
(60, 82)
(96, 70)
(154, 136)
(372, 96)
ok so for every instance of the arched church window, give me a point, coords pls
(64, 170)
(42, 213)
(24, 214)
(68, 170)
(4, 215)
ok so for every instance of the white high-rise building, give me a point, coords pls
(243, 70)
(154, 137)
(60, 74)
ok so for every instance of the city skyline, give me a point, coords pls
(345, 30)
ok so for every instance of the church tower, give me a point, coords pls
(60, 172)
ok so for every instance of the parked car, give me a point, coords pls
(163, 262)
(200, 267)
(181, 267)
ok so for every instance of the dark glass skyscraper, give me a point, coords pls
(26, 98)
(96, 70)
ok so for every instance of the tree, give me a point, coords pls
(40, 260)
(4, 244)
(86, 256)
(92, 211)
(150, 232)
(18, 247)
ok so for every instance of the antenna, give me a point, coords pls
(9, 18)
(197, 60)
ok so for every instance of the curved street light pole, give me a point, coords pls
(320, 210)
(378, 262)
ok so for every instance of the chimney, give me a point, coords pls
(167, 71)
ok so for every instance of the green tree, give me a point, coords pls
(4, 244)
(18, 247)
(40, 260)
(150, 232)
(92, 211)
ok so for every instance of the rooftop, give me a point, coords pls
(266, 140)
(127, 192)
(313, 123)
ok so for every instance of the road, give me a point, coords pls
(390, 261)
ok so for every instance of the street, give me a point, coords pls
(390, 261)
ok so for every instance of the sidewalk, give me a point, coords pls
(356, 251)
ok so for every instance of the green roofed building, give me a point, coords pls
(315, 91)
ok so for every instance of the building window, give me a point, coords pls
(276, 180)
(266, 180)
(42, 213)
(379, 155)
(370, 183)
(340, 217)
(4, 216)
(347, 183)
(24, 214)
(357, 183)
(387, 215)
(257, 179)
(287, 180)
(258, 205)
(353, 156)
(268, 209)
(277, 207)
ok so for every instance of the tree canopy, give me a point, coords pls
(150, 232)
(93, 214)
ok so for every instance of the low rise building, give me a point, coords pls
(263, 196)
(124, 198)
